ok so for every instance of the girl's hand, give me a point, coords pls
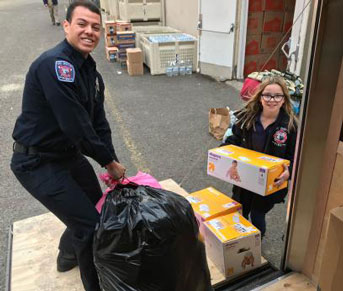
(283, 177)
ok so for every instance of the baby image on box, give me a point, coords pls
(248, 260)
(232, 172)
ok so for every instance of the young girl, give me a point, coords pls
(266, 124)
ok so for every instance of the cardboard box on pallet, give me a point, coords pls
(120, 40)
(233, 244)
(110, 27)
(209, 203)
(248, 169)
(121, 55)
(123, 26)
(273, 21)
(124, 46)
(134, 55)
(111, 53)
(135, 69)
(110, 41)
(255, 22)
(270, 41)
(125, 37)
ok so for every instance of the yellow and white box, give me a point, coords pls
(209, 203)
(233, 244)
(254, 171)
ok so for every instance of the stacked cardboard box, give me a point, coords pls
(134, 61)
(232, 243)
(118, 38)
(209, 203)
(268, 22)
(111, 51)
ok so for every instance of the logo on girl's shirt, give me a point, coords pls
(280, 137)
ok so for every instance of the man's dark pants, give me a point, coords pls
(67, 185)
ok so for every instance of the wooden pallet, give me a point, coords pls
(35, 247)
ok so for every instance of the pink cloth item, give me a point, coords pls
(248, 89)
(140, 179)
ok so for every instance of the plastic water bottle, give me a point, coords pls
(182, 68)
(169, 69)
(175, 69)
(189, 67)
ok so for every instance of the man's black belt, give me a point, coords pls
(19, 148)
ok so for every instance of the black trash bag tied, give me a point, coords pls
(147, 240)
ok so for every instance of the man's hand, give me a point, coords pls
(45, 5)
(283, 177)
(116, 170)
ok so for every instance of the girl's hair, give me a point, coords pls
(246, 116)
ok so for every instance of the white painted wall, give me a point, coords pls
(299, 33)
(182, 15)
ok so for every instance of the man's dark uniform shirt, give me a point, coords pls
(63, 106)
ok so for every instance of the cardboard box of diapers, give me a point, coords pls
(233, 244)
(248, 169)
(209, 203)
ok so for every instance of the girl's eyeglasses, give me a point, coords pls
(269, 97)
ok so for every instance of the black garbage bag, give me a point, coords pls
(147, 240)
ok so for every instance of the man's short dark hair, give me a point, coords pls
(83, 3)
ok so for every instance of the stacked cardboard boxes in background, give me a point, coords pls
(111, 51)
(268, 22)
(134, 61)
(118, 38)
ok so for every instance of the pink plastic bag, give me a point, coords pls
(140, 179)
(248, 89)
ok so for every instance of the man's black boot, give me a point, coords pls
(66, 262)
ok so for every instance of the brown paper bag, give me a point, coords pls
(219, 121)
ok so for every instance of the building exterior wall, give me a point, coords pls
(182, 15)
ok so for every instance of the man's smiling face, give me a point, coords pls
(83, 31)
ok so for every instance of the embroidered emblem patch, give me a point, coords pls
(280, 137)
(65, 71)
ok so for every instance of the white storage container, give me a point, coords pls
(151, 29)
(113, 8)
(139, 10)
(158, 55)
(104, 6)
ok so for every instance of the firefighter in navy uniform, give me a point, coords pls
(62, 120)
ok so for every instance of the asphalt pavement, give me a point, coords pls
(159, 123)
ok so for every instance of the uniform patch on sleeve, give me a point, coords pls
(65, 71)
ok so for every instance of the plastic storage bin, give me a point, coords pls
(159, 50)
(113, 8)
(151, 29)
(139, 10)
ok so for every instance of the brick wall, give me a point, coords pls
(268, 22)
